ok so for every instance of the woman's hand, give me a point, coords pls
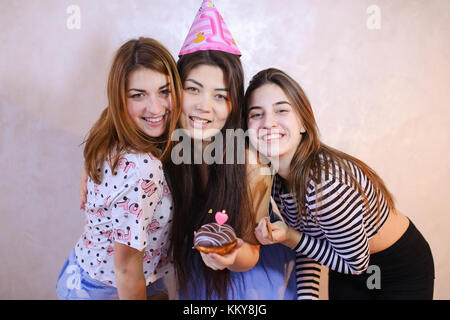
(218, 262)
(279, 232)
(83, 188)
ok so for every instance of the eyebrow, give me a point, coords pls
(201, 86)
(275, 104)
(281, 102)
(254, 107)
(142, 90)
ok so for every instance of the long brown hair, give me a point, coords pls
(225, 188)
(312, 157)
(115, 132)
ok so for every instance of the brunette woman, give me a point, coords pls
(213, 92)
(338, 211)
(213, 89)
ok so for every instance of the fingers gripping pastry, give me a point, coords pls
(214, 237)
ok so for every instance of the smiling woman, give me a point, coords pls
(148, 100)
(276, 131)
(338, 211)
(213, 84)
(114, 257)
(206, 102)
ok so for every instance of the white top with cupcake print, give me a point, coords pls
(132, 206)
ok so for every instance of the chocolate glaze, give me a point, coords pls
(209, 235)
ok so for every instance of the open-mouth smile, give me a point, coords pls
(198, 122)
(154, 121)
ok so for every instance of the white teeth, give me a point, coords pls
(154, 120)
(271, 136)
(198, 120)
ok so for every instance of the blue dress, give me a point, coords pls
(273, 278)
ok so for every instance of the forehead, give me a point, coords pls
(207, 75)
(267, 95)
(147, 78)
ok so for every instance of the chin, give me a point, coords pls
(270, 152)
(201, 134)
(155, 133)
(194, 134)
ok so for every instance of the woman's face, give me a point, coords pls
(274, 126)
(206, 102)
(149, 100)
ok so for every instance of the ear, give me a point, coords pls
(302, 128)
(300, 122)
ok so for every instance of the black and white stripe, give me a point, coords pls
(336, 228)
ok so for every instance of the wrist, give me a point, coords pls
(292, 238)
(246, 258)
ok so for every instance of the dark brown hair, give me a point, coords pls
(313, 157)
(225, 188)
(114, 131)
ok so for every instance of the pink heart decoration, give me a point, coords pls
(221, 217)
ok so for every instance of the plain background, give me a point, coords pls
(381, 95)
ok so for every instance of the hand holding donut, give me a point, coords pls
(217, 243)
(216, 261)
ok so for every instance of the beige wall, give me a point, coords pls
(382, 95)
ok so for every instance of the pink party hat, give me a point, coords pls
(209, 32)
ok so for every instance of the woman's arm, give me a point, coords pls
(83, 188)
(132, 209)
(259, 185)
(339, 218)
(246, 258)
(129, 272)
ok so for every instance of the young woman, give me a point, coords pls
(338, 211)
(122, 252)
(212, 101)
(213, 175)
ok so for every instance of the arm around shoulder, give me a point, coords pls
(259, 186)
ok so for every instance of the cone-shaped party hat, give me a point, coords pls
(209, 32)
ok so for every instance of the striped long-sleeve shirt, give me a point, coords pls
(335, 230)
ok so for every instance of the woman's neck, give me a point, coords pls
(283, 166)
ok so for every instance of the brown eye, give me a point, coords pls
(256, 115)
(221, 97)
(192, 89)
(137, 96)
(165, 92)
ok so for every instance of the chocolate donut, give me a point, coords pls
(212, 238)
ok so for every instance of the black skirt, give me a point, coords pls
(404, 271)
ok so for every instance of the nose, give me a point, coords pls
(204, 104)
(269, 121)
(155, 105)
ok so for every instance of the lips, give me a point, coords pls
(268, 136)
(154, 121)
(198, 122)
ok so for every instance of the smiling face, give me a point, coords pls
(275, 127)
(206, 106)
(149, 100)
